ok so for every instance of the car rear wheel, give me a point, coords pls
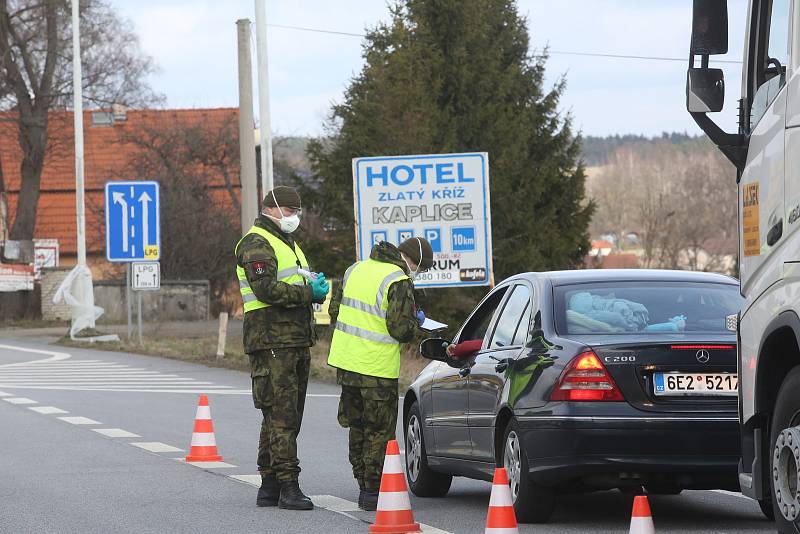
(784, 450)
(421, 480)
(532, 503)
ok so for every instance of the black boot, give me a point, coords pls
(368, 500)
(269, 492)
(292, 498)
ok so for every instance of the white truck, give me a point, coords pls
(766, 153)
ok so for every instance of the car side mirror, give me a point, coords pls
(709, 28)
(705, 90)
(434, 349)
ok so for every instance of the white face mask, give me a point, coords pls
(414, 271)
(288, 224)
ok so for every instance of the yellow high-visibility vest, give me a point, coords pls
(288, 262)
(361, 342)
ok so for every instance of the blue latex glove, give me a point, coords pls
(420, 316)
(319, 288)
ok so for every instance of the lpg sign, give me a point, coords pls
(443, 198)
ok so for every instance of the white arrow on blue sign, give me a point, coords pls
(133, 230)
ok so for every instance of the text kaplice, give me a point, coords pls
(407, 214)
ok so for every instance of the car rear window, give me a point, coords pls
(645, 307)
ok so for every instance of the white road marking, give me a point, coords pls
(97, 375)
(155, 446)
(253, 480)
(208, 465)
(80, 421)
(206, 390)
(334, 504)
(345, 507)
(19, 400)
(432, 530)
(116, 433)
(4, 394)
(47, 409)
(54, 356)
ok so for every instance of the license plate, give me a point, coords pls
(695, 383)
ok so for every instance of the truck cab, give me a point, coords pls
(766, 153)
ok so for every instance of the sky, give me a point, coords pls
(193, 42)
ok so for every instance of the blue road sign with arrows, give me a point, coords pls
(132, 222)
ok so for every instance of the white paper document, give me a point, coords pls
(430, 325)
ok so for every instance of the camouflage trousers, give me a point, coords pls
(371, 415)
(280, 380)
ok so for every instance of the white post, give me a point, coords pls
(84, 282)
(223, 332)
(263, 96)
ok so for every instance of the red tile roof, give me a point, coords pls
(623, 260)
(106, 157)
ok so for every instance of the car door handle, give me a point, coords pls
(501, 367)
(463, 373)
(775, 233)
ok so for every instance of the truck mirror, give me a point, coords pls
(709, 27)
(434, 349)
(705, 90)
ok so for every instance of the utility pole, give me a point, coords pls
(85, 313)
(247, 143)
(267, 182)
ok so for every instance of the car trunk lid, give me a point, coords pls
(672, 375)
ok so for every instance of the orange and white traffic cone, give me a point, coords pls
(500, 518)
(204, 445)
(641, 520)
(393, 515)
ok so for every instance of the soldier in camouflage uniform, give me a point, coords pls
(371, 322)
(278, 331)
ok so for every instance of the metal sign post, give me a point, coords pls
(443, 198)
(133, 234)
(128, 302)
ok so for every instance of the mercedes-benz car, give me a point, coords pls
(581, 381)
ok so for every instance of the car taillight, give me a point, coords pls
(586, 379)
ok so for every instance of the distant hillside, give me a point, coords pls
(596, 151)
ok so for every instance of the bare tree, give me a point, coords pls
(199, 204)
(680, 198)
(36, 67)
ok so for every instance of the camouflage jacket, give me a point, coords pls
(288, 321)
(401, 320)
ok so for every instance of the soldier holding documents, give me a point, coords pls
(374, 312)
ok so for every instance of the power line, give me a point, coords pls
(315, 30)
(549, 52)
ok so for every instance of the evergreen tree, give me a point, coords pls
(452, 76)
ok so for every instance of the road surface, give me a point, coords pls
(93, 442)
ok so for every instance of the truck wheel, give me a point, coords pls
(784, 452)
(532, 503)
(421, 480)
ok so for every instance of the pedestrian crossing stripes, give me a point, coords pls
(98, 375)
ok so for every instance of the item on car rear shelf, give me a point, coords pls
(595, 313)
